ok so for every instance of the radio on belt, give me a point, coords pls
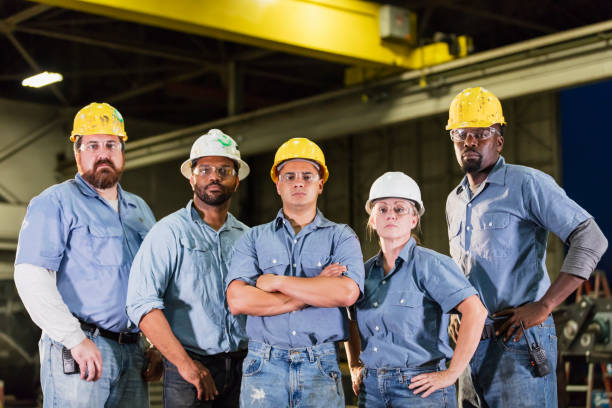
(537, 356)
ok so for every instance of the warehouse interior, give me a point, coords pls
(264, 71)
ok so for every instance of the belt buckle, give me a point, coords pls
(120, 338)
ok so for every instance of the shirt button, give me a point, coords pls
(375, 349)
(375, 304)
(467, 252)
(467, 228)
(293, 332)
(384, 282)
(319, 264)
(274, 261)
(401, 300)
(490, 224)
(295, 241)
(377, 328)
(469, 204)
(294, 265)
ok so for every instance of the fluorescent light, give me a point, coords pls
(42, 79)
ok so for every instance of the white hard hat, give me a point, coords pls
(395, 184)
(215, 143)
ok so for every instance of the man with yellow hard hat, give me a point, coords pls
(176, 292)
(291, 276)
(76, 246)
(498, 221)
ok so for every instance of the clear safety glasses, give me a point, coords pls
(459, 135)
(95, 147)
(307, 177)
(398, 209)
(222, 172)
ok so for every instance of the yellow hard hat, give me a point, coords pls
(98, 119)
(299, 148)
(474, 107)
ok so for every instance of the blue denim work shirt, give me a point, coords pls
(71, 229)
(498, 236)
(181, 269)
(275, 248)
(403, 316)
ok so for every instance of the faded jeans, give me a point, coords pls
(297, 378)
(502, 375)
(387, 388)
(121, 384)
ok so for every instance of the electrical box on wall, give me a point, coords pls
(397, 24)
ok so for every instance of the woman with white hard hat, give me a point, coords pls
(399, 345)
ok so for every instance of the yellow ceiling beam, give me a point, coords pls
(344, 31)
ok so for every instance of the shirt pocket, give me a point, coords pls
(199, 278)
(274, 261)
(405, 314)
(494, 235)
(197, 257)
(106, 244)
(313, 263)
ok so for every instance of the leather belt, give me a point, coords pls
(488, 331)
(121, 338)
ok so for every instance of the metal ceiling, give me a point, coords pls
(186, 79)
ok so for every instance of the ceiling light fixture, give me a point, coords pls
(42, 79)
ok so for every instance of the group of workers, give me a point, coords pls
(253, 317)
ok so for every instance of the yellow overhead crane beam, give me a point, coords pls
(344, 31)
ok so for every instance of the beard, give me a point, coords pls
(214, 199)
(471, 165)
(103, 178)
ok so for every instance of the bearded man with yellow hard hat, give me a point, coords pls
(76, 247)
(498, 221)
(291, 276)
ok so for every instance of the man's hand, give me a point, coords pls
(356, 378)
(531, 314)
(430, 382)
(154, 367)
(333, 270)
(268, 282)
(89, 359)
(196, 374)
(453, 327)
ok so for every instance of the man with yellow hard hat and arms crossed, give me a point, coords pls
(76, 247)
(498, 221)
(291, 276)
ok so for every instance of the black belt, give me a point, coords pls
(233, 355)
(488, 331)
(121, 338)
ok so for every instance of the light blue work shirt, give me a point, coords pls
(71, 229)
(403, 316)
(498, 236)
(275, 248)
(180, 269)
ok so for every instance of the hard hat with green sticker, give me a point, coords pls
(225, 140)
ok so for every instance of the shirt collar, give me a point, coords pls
(230, 221)
(497, 175)
(405, 254)
(86, 189)
(319, 220)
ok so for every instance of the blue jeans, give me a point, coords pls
(296, 378)
(502, 375)
(226, 373)
(121, 383)
(386, 388)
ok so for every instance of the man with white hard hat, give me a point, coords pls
(176, 290)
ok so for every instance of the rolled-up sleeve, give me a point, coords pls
(444, 283)
(43, 235)
(244, 266)
(153, 267)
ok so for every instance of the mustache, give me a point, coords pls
(470, 149)
(104, 161)
(213, 183)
